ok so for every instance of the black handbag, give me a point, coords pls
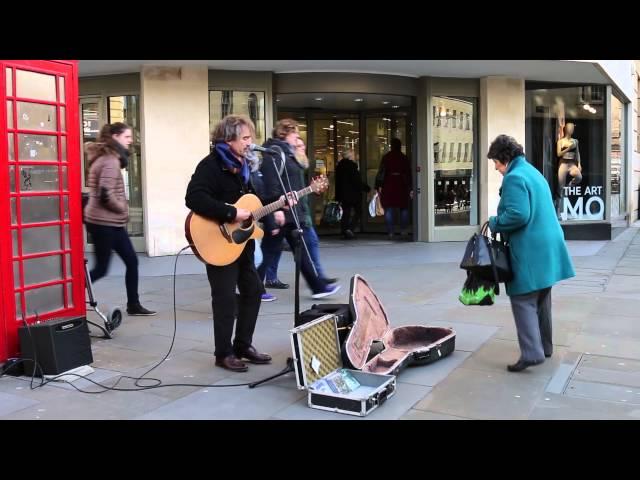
(501, 258)
(332, 213)
(487, 258)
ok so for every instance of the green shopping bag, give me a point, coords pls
(477, 291)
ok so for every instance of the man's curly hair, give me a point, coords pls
(504, 149)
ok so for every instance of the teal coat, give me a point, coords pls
(527, 217)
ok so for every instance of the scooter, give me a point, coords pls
(112, 319)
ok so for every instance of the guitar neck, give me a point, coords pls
(272, 207)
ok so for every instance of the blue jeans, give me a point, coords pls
(272, 270)
(313, 244)
(388, 218)
(272, 245)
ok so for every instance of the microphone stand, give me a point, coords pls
(298, 237)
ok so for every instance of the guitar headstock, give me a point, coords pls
(319, 184)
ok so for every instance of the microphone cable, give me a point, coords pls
(104, 388)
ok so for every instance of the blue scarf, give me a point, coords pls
(231, 162)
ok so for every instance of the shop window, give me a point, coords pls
(455, 175)
(234, 102)
(566, 141)
(126, 109)
(617, 166)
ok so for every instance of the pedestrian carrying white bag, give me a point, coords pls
(375, 207)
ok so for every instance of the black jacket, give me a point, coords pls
(272, 187)
(212, 188)
(349, 186)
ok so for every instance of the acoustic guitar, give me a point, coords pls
(220, 244)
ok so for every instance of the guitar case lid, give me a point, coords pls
(402, 346)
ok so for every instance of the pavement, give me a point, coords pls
(594, 372)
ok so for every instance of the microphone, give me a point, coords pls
(258, 148)
(276, 153)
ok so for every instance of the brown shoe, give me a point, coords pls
(231, 362)
(252, 355)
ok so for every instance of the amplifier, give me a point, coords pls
(60, 345)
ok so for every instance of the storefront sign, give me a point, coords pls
(91, 128)
(580, 203)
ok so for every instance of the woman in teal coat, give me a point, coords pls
(539, 257)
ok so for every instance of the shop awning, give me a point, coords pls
(570, 71)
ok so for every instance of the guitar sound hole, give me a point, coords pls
(247, 223)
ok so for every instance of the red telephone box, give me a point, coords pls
(41, 246)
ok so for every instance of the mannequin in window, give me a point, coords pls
(568, 159)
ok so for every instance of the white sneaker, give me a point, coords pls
(331, 289)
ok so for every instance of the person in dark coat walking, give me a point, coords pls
(393, 183)
(349, 189)
(269, 222)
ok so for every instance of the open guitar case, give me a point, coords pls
(368, 341)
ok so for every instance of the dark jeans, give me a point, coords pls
(223, 281)
(313, 244)
(388, 218)
(272, 247)
(272, 271)
(106, 239)
(350, 216)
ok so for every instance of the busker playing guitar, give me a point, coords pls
(219, 180)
